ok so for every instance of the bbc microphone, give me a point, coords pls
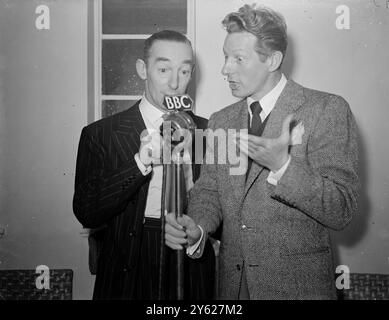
(178, 103)
(174, 193)
(177, 116)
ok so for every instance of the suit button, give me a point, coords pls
(238, 267)
(125, 269)
(131, 234)
(244, 227)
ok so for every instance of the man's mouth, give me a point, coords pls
(233, 84)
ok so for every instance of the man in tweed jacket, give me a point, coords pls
(302, 181)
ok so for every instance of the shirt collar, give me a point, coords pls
(269, 100)
(150, 113)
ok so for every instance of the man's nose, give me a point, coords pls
(174, 81)
(226, 68)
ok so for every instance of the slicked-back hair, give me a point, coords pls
(164, 35)
(265, 24)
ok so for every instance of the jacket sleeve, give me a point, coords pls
(324, 183)
(204, 206)
(101, 191)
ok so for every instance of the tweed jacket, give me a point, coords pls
(280, 234)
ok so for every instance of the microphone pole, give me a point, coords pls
(173, 184)
(179, 206)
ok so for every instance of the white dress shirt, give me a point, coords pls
(152, 118)
(267, 103)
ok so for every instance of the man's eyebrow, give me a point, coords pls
(189, 61)
(163, 59)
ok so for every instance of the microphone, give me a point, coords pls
(177, 117)
(178, 103)
(176, 120)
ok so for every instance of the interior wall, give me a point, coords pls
(350, 62)
(43, 106)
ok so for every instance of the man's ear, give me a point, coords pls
(141, 69)
(275, 60)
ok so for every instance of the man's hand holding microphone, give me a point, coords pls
(181, 232)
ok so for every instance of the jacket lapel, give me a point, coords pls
(290, 100)
(196, 167)
(128, 131)
(238, 181)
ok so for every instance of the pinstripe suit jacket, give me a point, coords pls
(110, 190)
(280, 234)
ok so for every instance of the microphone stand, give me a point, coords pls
(162, 261)
(179, 206)
(173, 199)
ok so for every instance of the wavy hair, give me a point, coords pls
(267, 25)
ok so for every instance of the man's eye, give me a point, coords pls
(162, 70)
(186, 72)
(240, 59)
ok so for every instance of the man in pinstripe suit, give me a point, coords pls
(116, 188)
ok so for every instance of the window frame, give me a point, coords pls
(95, 75)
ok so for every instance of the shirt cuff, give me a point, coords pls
(145, 170)
(194, 247)
(274, 177)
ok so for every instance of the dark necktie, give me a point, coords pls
(256, 127)
(256, 122)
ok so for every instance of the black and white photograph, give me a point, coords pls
(199, 150)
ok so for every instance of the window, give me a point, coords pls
(120, 27)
